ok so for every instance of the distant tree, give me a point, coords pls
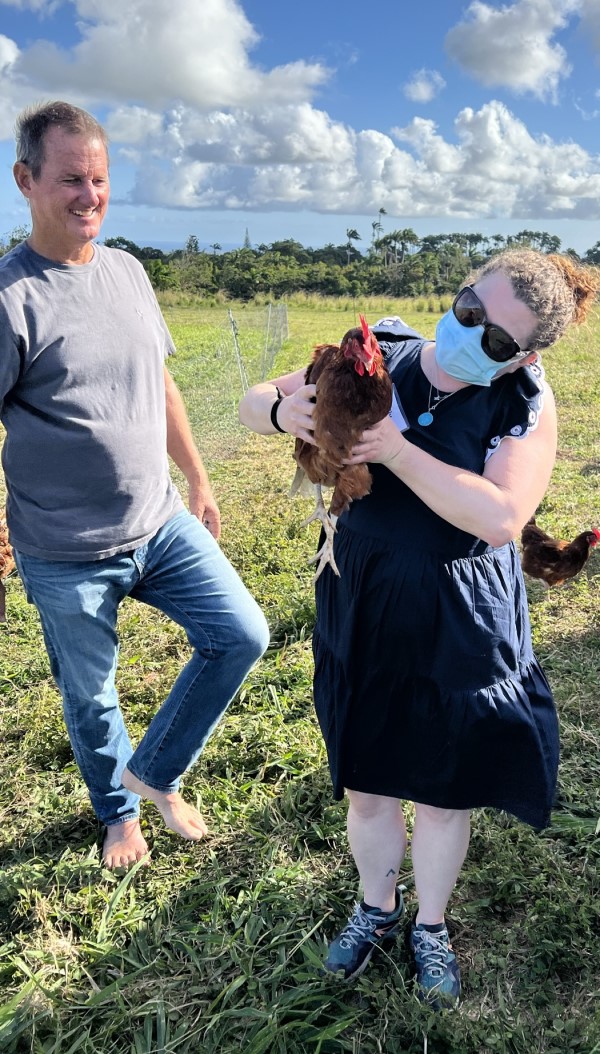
(289, 247)
(473, 240)
(499, 242)
(407, 239)
(431, 243)
(123, 243)
(247, 243)
(192, 245)
(149, 252)
(239, 274)
(162, 275)
(396, 244)
(15, 237)
(330, 254)
(216, 248)
(550, 243)
(384, 246)
(352, 235)
(592, 255)
(377, 228)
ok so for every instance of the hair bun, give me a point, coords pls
(583, 281)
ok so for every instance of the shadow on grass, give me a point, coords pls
(75, 831)
(592, 468)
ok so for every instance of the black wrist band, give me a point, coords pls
(274, 409)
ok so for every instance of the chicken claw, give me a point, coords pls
(325, 554)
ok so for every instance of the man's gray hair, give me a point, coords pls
(34, 122)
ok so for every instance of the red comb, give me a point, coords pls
(365, 327)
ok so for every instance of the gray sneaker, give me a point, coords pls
(438, 975)
(352, 949)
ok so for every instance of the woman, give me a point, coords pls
(426, 687)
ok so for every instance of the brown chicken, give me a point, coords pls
(354, 392)
(553, 560)
(7, 566)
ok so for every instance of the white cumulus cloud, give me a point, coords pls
(299, 158)
(14, 91)
(500, 169)
(424, 85)
(156, 52)
(203, 127)
(512, 46)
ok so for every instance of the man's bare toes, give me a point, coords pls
(200, 826)
(124, 845)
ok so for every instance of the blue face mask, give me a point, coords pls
(458, 351)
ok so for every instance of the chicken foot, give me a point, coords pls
(325, 554)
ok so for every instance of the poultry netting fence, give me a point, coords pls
(218, 358)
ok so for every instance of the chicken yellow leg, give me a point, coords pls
(325, 554)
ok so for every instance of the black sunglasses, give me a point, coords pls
(496, 342)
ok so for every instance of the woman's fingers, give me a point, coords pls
(296, 413)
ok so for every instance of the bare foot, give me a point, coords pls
(124, 844)
(177, 814)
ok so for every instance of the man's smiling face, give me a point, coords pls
(69, 199)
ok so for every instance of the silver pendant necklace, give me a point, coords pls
(426, 418)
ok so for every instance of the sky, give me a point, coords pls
(304, 120)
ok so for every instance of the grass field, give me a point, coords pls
(215, 947)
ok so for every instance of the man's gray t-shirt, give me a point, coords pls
(82, 399)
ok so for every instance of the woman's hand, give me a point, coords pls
(295, 413)
(379, 445)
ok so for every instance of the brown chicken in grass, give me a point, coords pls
(354, 392)
(7, 566)
(553, 560)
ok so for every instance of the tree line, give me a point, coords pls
(398, 263)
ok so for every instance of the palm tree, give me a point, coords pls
(216, 248)
(384, 246)
(377, 228)
(377, 225)
(402, 240)
(473, 240)
(353, 236)
(550, 243)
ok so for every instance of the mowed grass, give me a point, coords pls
(216, 946)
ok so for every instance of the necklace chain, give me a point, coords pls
(426, 418)
(437, 398)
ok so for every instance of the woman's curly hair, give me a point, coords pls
(559, 290)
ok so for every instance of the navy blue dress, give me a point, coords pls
(426, 686)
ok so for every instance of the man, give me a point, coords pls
(90, 414)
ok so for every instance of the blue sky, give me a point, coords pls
(301, 120)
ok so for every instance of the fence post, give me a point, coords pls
(238, 353)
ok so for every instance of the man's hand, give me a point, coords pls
(203, 505)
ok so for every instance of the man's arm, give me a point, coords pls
(182, 448)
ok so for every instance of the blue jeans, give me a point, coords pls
(182, 572)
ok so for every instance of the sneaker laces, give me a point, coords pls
(432, 949)
(359, 927)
